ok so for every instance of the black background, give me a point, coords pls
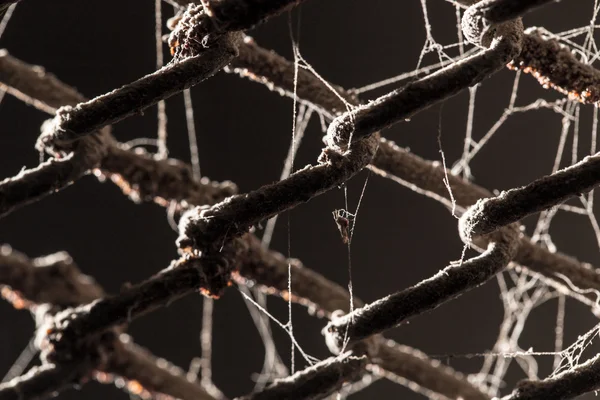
(243, 133)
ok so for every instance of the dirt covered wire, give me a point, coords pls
(552, 64)
(197, 227)
(490, 214)
(47, 285)
(446, 285)
(270, 69)
(497, 11)
(205, 41)
(398, 164)
(310, 288)
(478, 220)
(323, 378)
(139, 175)
(71, 123)
(503, 43)
(569, 384)
(267, 67)
(237, 214)
(36, 87)
(158, 189)
(315, 382)
(56, 344)
(269, 270)
(201, 227)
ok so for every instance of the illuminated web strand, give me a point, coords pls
(286, 327)
(191, 129)
(469, 133)
(303, 118)
(466, 158)
(295, 48)
(162, 152)
(559, 330)
(7, 16)
(273, 366)
(24, 359)
(412, 74)
(430, 43)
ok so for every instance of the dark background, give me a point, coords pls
(243, 133)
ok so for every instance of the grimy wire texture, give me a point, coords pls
(81, 330)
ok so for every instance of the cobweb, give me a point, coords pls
(521, 292)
